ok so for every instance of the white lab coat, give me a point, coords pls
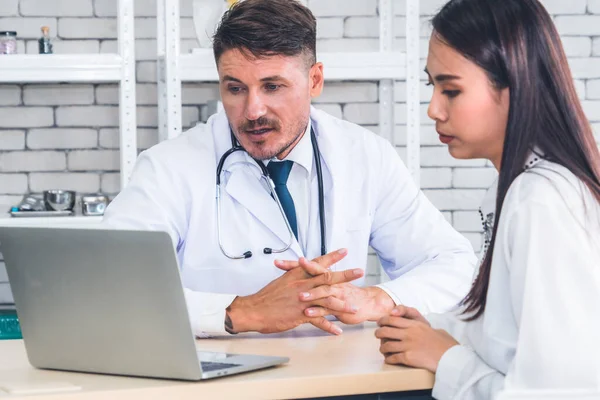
(369, 196)
(541, 324)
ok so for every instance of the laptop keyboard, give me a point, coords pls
(208, 366)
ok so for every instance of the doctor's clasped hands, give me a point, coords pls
(367, 303)
(280, 306)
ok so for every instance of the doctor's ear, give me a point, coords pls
(315, 80)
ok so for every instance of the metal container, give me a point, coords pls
(31, 202)
(59, 200)
(93, 204)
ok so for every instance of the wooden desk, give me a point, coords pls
(320, 365)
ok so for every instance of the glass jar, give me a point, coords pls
(8, 42)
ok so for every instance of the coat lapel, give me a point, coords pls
(245, 185)
(334, 181)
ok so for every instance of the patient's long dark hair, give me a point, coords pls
(517, 45)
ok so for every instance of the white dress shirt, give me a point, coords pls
(541, 324)
(299, 185)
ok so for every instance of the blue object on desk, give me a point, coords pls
(9, 325)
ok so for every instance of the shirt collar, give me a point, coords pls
(534, 157)
(488, 205)
(302, 153)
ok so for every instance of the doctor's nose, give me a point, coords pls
(255, 107)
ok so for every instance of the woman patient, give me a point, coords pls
(502, 90)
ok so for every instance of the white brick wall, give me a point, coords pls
(12, 140)
(87, 116)
(80, 182)
(455, 199)
(467, 221)
(436, 178)
(328, 28)
(577, 46)
(474, 177)
(66, 135)
(110, 183)
(11, 95)
(427, 7)
(62, 138)
(66, 8)
(586, 68)
(594, 6)
(93, 160)
(54, 95)
(87, 28)
(26, 117)
(28, 28)
(555, 7)
(342, 8)
(9, 8)
(356, 92)
(13, 183)
(16, 161)
(584, 25)
(109, 138)
(593, 89)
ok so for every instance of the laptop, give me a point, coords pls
(110, 302)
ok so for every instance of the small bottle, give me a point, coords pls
(8, 42)
(45, 47)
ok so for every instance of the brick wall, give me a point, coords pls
(66, 135)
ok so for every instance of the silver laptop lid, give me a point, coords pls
(67, 283)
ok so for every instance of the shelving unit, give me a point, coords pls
(33, 68)
(49, 221)
(91, 68)
(200, 66)
(384, 65)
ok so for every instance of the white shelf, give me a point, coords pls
(199, 66)
(35, 68)
(7, 220)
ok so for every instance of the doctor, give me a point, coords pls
(293, 183)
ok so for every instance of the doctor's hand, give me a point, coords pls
(278, 308)
(370, 303)
(408, 339)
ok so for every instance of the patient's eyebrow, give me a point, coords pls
(443, 77)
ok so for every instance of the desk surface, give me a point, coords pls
(320, 365)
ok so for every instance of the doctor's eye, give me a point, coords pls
(271, 87)
(234, 89)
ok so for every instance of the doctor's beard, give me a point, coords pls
(272, 146)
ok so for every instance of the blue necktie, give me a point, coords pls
(279, 173)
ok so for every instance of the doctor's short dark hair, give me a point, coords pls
(263, 28)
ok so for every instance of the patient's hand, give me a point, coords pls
(408, 339)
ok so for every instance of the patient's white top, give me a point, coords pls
(541, 325)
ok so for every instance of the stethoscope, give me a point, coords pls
(235, 146)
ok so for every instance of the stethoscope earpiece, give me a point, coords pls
(268, 250)
(247, 254)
